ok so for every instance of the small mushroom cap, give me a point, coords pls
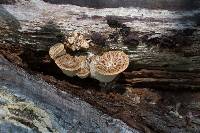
(85, 44)
(71, 40)
(76, 41)
(83, 71)
(68, 62)
(112, 63)
(57, 50)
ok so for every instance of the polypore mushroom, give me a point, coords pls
(68, 64)
(57, 50)
(106, 67)
(77, 41)
(83, 71)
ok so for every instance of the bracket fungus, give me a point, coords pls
(77, 41)
(84, 70)
(68, 64)
(57, 50)
(103, 68)
(106, 67)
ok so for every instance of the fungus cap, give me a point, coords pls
(112, 62)
(76, 41)
(68, 64)
(57, 50)
(71, 40)
(106, 67)
(83, 71)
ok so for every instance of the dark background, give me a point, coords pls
(153, 4)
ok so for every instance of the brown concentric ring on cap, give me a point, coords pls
(68, 64)
(57, 50)
(83, 71)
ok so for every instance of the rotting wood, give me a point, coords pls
(163, 70)
(163, 79)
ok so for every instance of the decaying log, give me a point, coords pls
(163, 79)
(66, 113)
(37, 25)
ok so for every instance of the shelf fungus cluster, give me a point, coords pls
(76, 41)
(103, 67)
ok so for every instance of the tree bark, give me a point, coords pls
(158, 79)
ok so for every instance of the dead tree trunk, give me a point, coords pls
(158, 79)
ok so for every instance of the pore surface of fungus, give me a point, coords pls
(106, 67)
(57, 50)
(68, 64)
